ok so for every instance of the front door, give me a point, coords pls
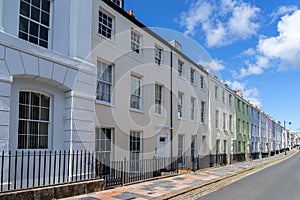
(163, 145)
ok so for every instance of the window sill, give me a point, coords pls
(181, 77)
(160, 115)
(161, 66)
(136, 110)
(193, 84)
(104, 103)
(111, 40)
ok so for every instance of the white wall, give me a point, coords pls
(71, 84)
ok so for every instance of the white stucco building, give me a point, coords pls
(221, 117)
(99, 81)
(47, 91)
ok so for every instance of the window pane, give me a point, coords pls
(23, 36)
(43, 129)
(35, 99)
(35, 14)
(32, 142)
(23, 26)
(44, 114)
(36, 3)
(24, 98)
(45, 101)
(43, 43)
(23, 112)
(33, 128)
(45, 19)
(22, 129)
(43, 33)
(24, 9)
(43, 142)
(22, 141)
(46, 5)
(34, 29)
(35, 113)
(33, 40)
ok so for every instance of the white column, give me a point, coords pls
(5, 90)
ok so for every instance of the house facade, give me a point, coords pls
(47, 92)
(222, 117)
(255, 138)
(242, 109)
(263, 134)
(154, 94)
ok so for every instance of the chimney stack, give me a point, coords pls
(130, 12)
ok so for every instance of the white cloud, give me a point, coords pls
(285, 46)
(214, 65)
(250, 94)
(249, 52)
(282, 10)
(282, 50)
(222, 23)
(261, 63)
(199, 12)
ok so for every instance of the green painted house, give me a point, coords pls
(242, 125)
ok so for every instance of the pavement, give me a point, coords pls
(181, 182)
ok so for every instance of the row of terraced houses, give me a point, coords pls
(87, 76)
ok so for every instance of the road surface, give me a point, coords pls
(281, 181)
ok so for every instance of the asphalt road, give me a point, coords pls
(278, 182)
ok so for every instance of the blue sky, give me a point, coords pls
(254, 44)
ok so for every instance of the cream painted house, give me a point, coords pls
(221, 117)
(148, 92)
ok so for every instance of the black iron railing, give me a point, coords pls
(29, 169)
(21, 170)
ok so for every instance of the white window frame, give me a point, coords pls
(230, 122)
(29, 120)
(180, 104)
(239, 125)
(158, 56)
(180, 68)
(224, 121)
(202, 112)
(39, 23)
(100, 66)
(230, 99)
(194, 147)
(136, 42)
(217, 120)
(181, 149)
(133, 92)
(216, 92)
(158, 99)
(109, 34)
(135, 155)
(99, 140)
(119, 3)
(193, 109)
(201, 82)
(192, 75)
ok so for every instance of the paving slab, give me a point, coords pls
(157, 188)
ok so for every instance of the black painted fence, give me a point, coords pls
(30, 169)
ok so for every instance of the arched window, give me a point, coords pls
(34, 120)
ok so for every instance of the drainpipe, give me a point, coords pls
(171, 107)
